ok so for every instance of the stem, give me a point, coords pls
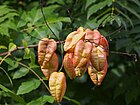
(41, 7)
(34, 74)
(7, 54)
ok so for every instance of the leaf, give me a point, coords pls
(13, 95)
(26, 53)
(28, 86)
(7, 75)
(58, 19)
(89, 2)
(125, 16)
(103, 19)
(11, 65)
(42, 100)
(123, 43)
(32, 58)
(132, 95)
(20, 73)
(11, 47)
(118, 20)
(129, 9)
(137, 49)
(135, 30)
(3, 47)
(137, 2)
(93, 9)
(72, 100)
(5, 10)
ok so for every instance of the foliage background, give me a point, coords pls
(22, 24)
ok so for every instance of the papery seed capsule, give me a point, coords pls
(50, 67)
(105, 44)
(73, 38)
(82, 53)
(98, 57)
(97, 37)
(68, 65)
(57, 85)
(95, 75)
(46, 48)
(80, 70)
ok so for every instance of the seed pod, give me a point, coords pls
(97, 37)
(50, 67)
(73, 38)
(105, 44)
(68, 65)
(57, 85)
(95, 75)
(46, 48)
(81, 53)
(80, 70)
(98, 57)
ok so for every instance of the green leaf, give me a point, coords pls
(28, 86)
(42, 100)
(20, 73)
(26, 53)
(89, 2)
(13, 95)
(3, 47)
(118, 20)
(72, 100)
(93, 9)
(137, 2)
(125, 16)
(132, 95)
(7, 75)
(137, 49)
(11, 47)
(32, 58)
(103, 19)
(12, 65)
(124, 42)
(58, 19)
(131, 10)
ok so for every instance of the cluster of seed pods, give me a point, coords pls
(48, 61)
(86, 50)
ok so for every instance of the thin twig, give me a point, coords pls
(126, 54)
(7, 54)
(34, 74)
(18, 48)
(41, 7)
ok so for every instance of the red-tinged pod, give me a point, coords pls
(98, 57)
(73, 38)
(46, 48)
(85, 54)
(82, 53)
(69, 40)
(105, 44)
(57, 85)
(78, 52)
(50, 67)
(95, 75)
(80, 70)
(89, 36)
(68, 65)
(97, 37)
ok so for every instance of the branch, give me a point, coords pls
(126, 54)
(18, 48)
